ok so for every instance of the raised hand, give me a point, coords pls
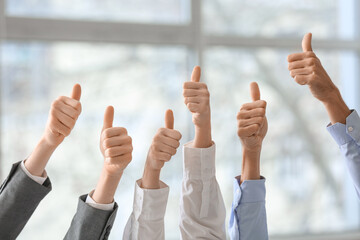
(197, 100)
(252, 122)
(163, 147)
(115, 145)
(62, 118)
(306, 69)
(63, 115)
(164, 144)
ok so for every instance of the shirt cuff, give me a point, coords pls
(346, 133)
(92, 203)
(39, 180)
(199, 163)
(150, 204)
(250, 191)
(353, 126)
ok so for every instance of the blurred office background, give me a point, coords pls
(136, 54)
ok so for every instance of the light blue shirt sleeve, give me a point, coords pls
(348, 138)
(248, 213)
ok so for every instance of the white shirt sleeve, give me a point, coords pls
(202, 209)
(40, 180)
(147, 219)
(92, 203)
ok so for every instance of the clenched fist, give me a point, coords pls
(62, 117)
(306, 68)
(164, 144)
(115, 145)
(252, 122)
(197, 99)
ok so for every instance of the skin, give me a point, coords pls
(252, 129)
(116, 148)
(306, 69)
(63, 115)
(197, 100)
(163, 147)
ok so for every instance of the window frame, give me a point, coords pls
(190, 35)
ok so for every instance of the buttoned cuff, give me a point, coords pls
(199, 163)
(39, 180)
(353, 126)
(250, 191)
(150, 204)
(92, 203)
(343, 134)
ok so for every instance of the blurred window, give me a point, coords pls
(309, 191)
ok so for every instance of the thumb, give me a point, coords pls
(169, 119)
(108, 117)
(196, 73)
(254, 91)
(306, 42)
(76, 92)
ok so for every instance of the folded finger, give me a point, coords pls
(194, 85)
(114, 131)
(257, 112)
(301, 71)
(192, 100)
(117, 141)
(66, 109)
(194, 92)
(253, 105)
(250, 121)
(248, 131)
(65, 119)
(118, 151)
(303, 79)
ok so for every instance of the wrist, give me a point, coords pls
(336, 108)
(250, 165)
(111, 176)
(333, 96)
(39, 158)
(202, 137)
(151, 177)
(204, 126)
(251, 151)
(46, 144)
(106, 187)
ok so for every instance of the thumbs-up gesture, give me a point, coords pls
(164, 144)
(197, 99)
(62, 117)
(306, 68)
(115, 145)
(252, 123)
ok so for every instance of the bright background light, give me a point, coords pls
(135, 55)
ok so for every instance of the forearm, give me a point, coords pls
(336, 108)
(38, 159)
(151, 178)
(106, 188)
(250, 165)
(202, 137)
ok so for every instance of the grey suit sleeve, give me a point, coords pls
(19, 197)
(90, 223)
